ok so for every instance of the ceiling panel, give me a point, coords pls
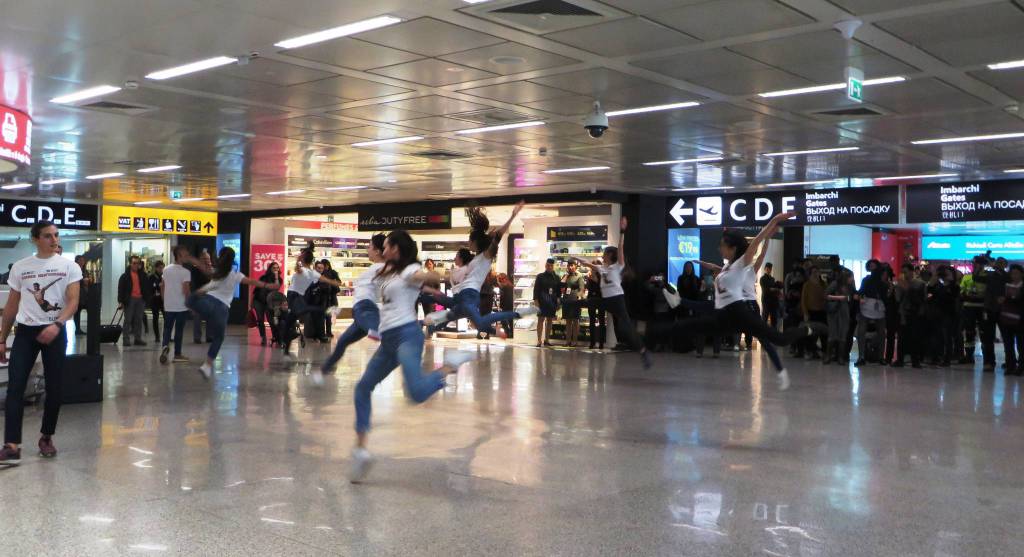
(378, 113)
(517, 92)
(975, 35)
(730, 18)
(643, 7)
(861, 7)
(508, 58)
(352, 88)
(622, 37)
(437, 124)
(432, 72)
(725, 71)
(352, 53)
(1010, 82)
(570, 106)
(275, 73)
(429, 37)
(437, 105)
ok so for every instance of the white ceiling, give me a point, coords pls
(286, 121)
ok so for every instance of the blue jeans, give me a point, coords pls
(24, 351)
(175, 319)
(366, 318)
(216, 315)
(401, 346)
(467, 304)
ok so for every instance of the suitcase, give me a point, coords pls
(82, 379)
(112, 333)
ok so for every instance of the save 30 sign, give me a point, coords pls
(261, 256)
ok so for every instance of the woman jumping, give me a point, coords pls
(398, 283)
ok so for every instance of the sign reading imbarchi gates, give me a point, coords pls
(966, 201)
(872, 205)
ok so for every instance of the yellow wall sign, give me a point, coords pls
(143, 220)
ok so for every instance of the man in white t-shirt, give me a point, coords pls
(44, 295)
(175, 288)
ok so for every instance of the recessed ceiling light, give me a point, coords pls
(155, 202)
(578, 169)
(345, 188)
(188, 199)
(160, 168)
(1007, 65)
(992, 137)
(810, 151)
(684, 161)
(102, 176)
(386, 141)
(1008, 171)
(234, 196)
(194, 67)
(808, 183)
(56, 181)
(917, 176)
(501, 127)
(830, 87)
(337, 32)
(655, 108)
(18, 186)
(284, 192)
(85, 94)
(321, 157)
(507, 60)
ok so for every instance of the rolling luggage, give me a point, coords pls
(112, 333)
(82, 378)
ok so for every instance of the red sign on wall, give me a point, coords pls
(261, 256)
(15, 136)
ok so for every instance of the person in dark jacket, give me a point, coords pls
(200, 276)
(262, 306)
(545, 294)
(330, 294)
(83, 293)
(942, 301)
(506, 300)
(596, 326)
(133, 293)
(156, 302)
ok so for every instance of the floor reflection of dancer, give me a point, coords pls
(732, 313)
(401, 342)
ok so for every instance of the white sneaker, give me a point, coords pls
(783, 378)
(206, 371)
(528, 310)
(362, 461)
(455, 358)
(436, 317)
(317, 377)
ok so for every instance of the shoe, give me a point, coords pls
(317, 378)
(206, 371)
(455, 358)
(362, 462)
(945, 363)
(373, 335)
(436, 318)
(209, 341)
(197, 340)
(502, 334)
(328, 370)
(548, 344)
(163, 354)
(46, 448)
(180, 359)
(139, 342)
(916, 366)
(592, 346)
(9, 456)
(527, 311)
(263, 342)
(126, 343)
(897, 364)
(988, 368)
(860, 362)
(700, 355)
(645, 358)
(783, 378)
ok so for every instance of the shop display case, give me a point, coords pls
(348, 257)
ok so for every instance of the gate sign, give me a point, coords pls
(15, 137)
(65, 215)
(874, 205)
(966, 201)
(139, 220)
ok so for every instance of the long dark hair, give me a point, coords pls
(225, 262)
(465, 255)
(306, 255)
(407, 253)
(613, 253)
(737, 241)
(479, 225)
(377, 241)
(688, 266)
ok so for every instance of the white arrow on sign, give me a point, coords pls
(678, 212)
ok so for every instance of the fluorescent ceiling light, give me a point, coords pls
(102, 176)
(830, 87)
(18, 186)
(810, 151)
(579, 169)
(160, 168)
(1008, 171)
(1007, 65)
(56, 181)
(684, 161)
(917, 176)
(188, 199)
(386, 141)
(234, 196)
(192, 68)
(284, 192)
(337, 32)
(85, 94)
(345, 188)
(656, 108)
(808, 183)
(969, 138)
(155, 202)
(501, 127)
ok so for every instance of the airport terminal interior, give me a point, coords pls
(512, 277)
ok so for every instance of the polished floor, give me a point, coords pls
(528, 452)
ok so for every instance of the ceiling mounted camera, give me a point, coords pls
(597, 122)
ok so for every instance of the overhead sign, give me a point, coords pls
(444, 246)
(964, 248)
(874, 205)
(297, 241)
(966, 201)
(405, 216)
(144, 220)
(855, 84)
(578, 233)
(15, 138)
(70, 216)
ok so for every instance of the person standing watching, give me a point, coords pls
(83, 293)
(771, 293)
(156, 301)
(133, 290)
(44, 295)
(200, 276)
(506, 300)
(174, 290)
(546, 287)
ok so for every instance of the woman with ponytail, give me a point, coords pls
(304, 277)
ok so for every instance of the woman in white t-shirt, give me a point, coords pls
(304, 277)
(213, 300)
(613, 298)
(401, 341)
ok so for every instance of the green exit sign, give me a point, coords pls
(855, 90)
(177, 194)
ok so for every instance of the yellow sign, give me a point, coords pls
(143, 220)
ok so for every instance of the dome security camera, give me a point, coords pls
(597, 122)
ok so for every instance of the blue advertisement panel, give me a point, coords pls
(683, 246)
(233, 241)
(966, 247)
